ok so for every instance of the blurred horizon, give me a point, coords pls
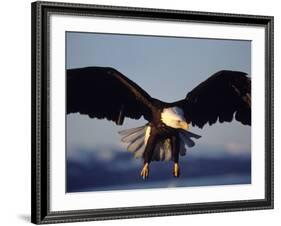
(104, 170)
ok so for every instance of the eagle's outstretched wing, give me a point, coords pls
(223, 95)
(102, 92)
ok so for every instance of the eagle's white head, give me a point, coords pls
(174, 117)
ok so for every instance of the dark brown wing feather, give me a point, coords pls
(221, 97)
(102, 92)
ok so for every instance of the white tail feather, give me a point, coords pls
(162, 151)
(137, 140)
(131, 131)
(132, 137)
(139, 153)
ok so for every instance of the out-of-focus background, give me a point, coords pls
(167, 68)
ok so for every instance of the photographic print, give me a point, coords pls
(141, 112)
(156, 112)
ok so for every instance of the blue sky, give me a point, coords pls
(167, 68)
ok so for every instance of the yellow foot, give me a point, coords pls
(145, 171)
(176, 170)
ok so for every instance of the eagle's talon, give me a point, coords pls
(145, 171)
(176, 170)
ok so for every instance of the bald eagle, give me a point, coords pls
(105, 93)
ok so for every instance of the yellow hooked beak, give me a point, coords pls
(184, 125)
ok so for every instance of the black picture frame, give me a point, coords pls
(40, 211)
